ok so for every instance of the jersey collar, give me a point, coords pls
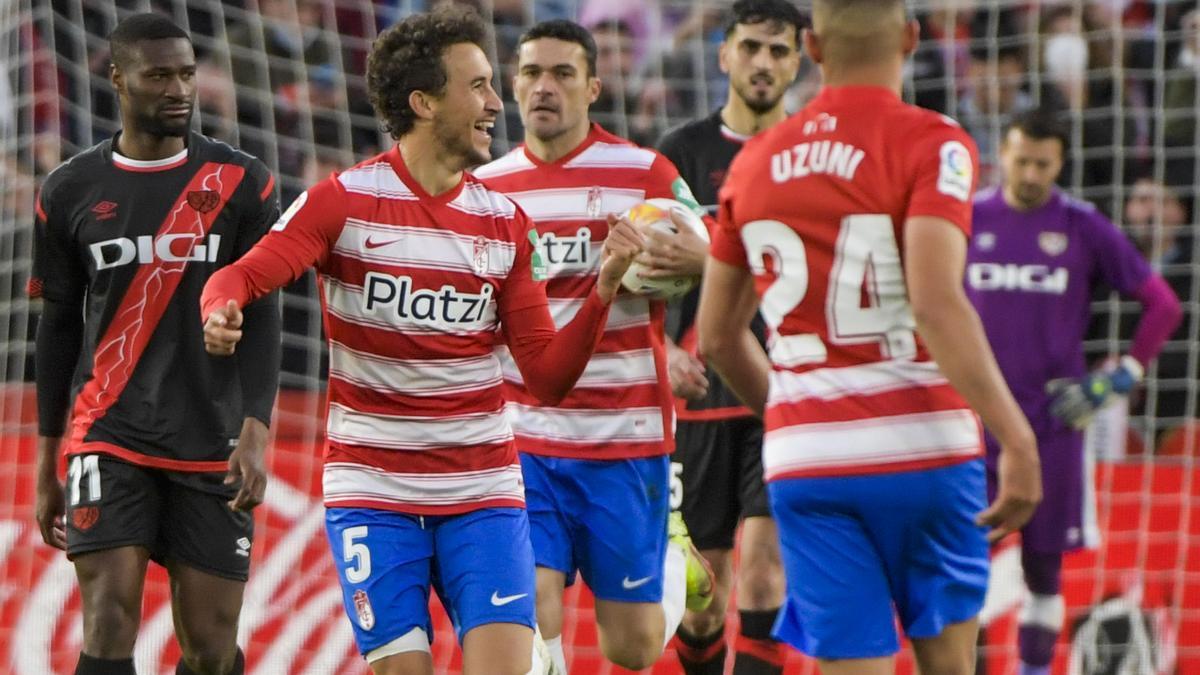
(596, 133)
(397, 161)
(148, 165)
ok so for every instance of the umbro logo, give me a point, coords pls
(500, 601)
(243, 548)
(105, 210)
(372, 244)
(630, 585)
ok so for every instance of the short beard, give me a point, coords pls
(757, 106)
(454, 144)
(152, 125)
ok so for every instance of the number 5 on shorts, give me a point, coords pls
(356, 553)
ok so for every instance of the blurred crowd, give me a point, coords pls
(284, 79)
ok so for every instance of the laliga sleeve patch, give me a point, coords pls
(291, 212)
(955, 171)
(538, 266)
(683, 194)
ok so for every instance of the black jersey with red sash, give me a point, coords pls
(135, 242)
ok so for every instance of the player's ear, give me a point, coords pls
(723, 56)
(422, 104)
(912, 35)
(812, 45)
(594, 87)
(116, 77)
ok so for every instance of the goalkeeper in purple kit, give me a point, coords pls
(1035, 259)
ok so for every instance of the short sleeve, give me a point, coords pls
(945, 166)
(524, 287)
(58, 273)
(1117, 260)
(727, 243)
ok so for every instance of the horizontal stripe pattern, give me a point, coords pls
(425, 248)
(346, 482)
(618, 409)
(869, 417)
(398, 432)
(412, 377)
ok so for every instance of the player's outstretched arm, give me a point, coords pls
(552, 361)
(935, 255)
(302, 238)
(727, 305)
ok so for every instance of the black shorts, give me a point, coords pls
(717, 478)
(177, 516)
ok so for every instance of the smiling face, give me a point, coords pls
(463, 116)
(156, 85)
(762, 60)
(553, 87)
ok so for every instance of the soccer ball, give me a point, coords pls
(655, 214)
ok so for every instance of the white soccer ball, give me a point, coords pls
(655, 214)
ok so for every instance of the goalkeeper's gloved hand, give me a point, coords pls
(1076, 399)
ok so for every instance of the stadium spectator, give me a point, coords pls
(869, 440)
(166, 446)
(629, 103)
(1035, 260)
(1179, 117)
(996, 93)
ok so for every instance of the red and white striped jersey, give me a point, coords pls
(413, 288)
(622, 406)
(815, 208)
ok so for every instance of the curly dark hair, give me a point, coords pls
(408, 57)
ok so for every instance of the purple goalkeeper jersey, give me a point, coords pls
(1031, 277)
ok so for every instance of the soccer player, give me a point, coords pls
(849, 221)
(420, 262)
(165, 444)
(595, 465)
(718, 442)
(1036, 258)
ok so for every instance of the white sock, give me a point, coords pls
(674, 590)
(557, 655)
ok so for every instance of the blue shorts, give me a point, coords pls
(854, 546)
(605, 518)
(479, 563)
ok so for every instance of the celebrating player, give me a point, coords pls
(1035, 259)
(419, 263)
(850, 221)
(596, 464)
(718, 442)
(166, 444)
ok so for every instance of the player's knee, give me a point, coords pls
(949, 662)
(760, 584)
(633, 650)
(208, 659)
(110, 627)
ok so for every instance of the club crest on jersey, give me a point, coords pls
(593, 202)
(84, 517)
(479, 255)
(1052, 243)
(203, 200)
(362, 607)
(446, 307)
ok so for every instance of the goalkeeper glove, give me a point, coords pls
(1076, 399)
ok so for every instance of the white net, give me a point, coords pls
(283, 79)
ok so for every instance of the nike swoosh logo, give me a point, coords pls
(369, 244)
(499, 601)
(630, 585)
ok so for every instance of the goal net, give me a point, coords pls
(284, 80)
